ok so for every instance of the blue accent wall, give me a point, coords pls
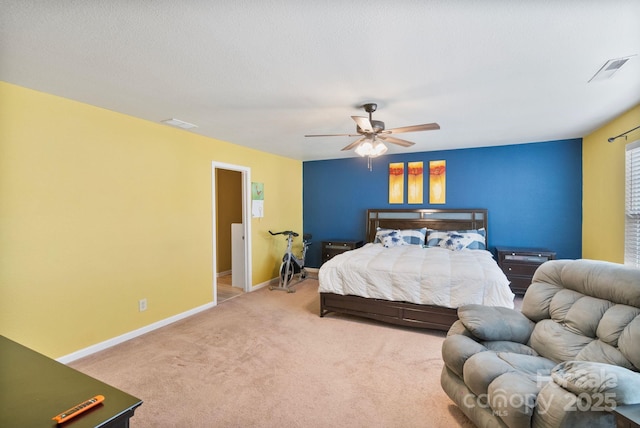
(533, 193)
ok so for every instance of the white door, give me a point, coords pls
(237, 255)
(246, 222)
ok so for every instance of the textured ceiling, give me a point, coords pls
(265, 73)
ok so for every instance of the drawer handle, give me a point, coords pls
(509, 269)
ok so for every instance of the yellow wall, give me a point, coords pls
(100, 209)
(603, 188)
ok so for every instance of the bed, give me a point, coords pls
(410, 285)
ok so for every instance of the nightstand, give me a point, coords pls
(627, 416)
(519, 264)
(330, 249)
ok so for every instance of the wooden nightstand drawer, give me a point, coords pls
(527, 269)
(519, 284)
(332, 248)
(519, 265)
(340, 245)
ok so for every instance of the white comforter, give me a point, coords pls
(410, 273)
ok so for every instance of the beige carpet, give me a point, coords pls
(266, 359)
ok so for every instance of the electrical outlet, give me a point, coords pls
(142, 305)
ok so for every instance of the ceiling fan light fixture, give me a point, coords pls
(379, 149)
(364, 149)
(369, 145)
(371, 149)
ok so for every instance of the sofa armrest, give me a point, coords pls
(489, 323)
(598, 384)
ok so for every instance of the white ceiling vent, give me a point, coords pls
(179, 123)
(609, 68)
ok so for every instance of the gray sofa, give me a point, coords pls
(566, 360)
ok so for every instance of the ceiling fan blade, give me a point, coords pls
(394, 140)
(363, 122)
(333, 135)
(354, 144)
(414, 128)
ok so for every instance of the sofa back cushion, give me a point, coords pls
(585, 310)
(609, 281)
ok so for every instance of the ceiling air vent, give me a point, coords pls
(179, 123)
(609, 68)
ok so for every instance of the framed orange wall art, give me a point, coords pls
(415, 180)
(396, 183)
(437, 182)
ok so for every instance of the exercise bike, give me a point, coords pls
(292, 265)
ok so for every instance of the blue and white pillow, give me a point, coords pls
(408, 236)
(414, 236)
(457, 239)
(381, 233)
(393, 239)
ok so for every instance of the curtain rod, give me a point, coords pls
(624, 134)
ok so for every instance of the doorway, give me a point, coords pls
(231, 187)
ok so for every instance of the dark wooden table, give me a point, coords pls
(627, 416)
(35, 388)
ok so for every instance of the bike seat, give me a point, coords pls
(307, 236)
(286, 232)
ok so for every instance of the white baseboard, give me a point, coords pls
(264, 284)
(132, 334)
(146, 329)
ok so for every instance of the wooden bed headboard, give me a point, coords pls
(437, 219)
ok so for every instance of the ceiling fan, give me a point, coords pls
(373, 135)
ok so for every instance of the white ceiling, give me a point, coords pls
(265, 73)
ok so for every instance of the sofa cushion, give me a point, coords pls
(536, 301)
(608, 385)
(561, 303)
(600, 352)
(554, 341)
(552, 272)
(629, 342)
(495, 323)
(481, 369)
(457, 349)
(512, 397)
(585, 315)
(555, 407)
(506, 346)
(458, 328)
(576, 320)
(614, 321)
(594, 278)
(530, 365)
